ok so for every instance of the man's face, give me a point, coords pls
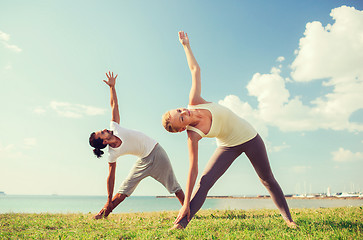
(104, 134)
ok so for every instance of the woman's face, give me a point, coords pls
(180, 118)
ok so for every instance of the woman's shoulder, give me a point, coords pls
(201, 105)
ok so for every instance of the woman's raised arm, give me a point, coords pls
(195, 97)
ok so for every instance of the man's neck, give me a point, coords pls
(115, 142)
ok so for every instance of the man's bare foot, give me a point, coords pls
(177, 226)
(98, 216)
(292, 224)
(102, 214)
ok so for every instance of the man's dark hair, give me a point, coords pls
(97, 143)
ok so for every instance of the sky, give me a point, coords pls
(293, 69)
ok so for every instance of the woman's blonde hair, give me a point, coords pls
(167, 124)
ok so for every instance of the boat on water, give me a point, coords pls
(349, 194)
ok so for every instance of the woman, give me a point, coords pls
(234, 136)
(153, 160)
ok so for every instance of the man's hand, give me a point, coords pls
(183, 38)
(111, 79)
(108, 205)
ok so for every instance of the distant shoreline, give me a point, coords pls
(2, 194)
(268, 197)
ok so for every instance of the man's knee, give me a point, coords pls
(180, 191)
(179, 194)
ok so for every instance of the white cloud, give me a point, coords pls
(71, 110)
(343, 155)
(16, 151)
(274, 148)
(8, 67)
(280, 59)
(334, 53)
(6, 148)
(301, 169)
(30, 142)
(39, 110)
(4, 36)
(4, 39)
(12, 47)
(244, 110)
(279, 148)
(9, 152)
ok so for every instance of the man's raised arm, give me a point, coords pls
(114, 103)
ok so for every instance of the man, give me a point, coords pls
(153, 160)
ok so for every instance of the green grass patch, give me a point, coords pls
(322, 223)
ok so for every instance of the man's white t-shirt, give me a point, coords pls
(133, 143)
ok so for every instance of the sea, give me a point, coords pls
(93, 204)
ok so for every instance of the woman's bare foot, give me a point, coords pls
(292, 224)
(176, 226)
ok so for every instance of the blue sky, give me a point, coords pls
(291, 68)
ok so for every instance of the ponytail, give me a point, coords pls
(97, 143)
(98, 152)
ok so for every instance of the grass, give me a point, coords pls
(322, 223)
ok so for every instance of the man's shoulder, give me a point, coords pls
(113, 123)
(116, 126)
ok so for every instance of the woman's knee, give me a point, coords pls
(268, 181)
(205, 183)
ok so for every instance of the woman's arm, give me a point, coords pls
(110, 184)
(193, 139)
(114, 103)
(196, 89)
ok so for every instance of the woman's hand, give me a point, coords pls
(184, 211)
(111, 79)
(183, 38)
